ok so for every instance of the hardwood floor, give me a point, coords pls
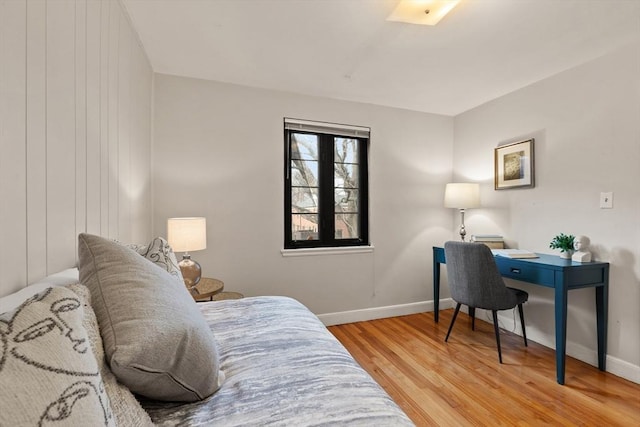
(462, 383)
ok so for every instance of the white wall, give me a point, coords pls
(219, 153)
(586, 122)
(75, 110)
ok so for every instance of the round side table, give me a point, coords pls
(206, 289)
(226, 295)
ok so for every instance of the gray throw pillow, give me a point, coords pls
(126, 409)
(155, 339)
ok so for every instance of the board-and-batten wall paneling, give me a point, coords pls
(75, 144)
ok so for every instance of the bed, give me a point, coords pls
(283, 368)
(276, 364)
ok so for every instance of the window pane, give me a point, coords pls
(304, 173)
(347, 226)
(346, 200)
(313, 156)
(304, 200)
(304, 227)
(345, 175)
(304, 146)
(346, 150)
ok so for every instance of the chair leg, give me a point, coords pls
(472, 313)
(453, 320)
(524, 331)
(495, 327)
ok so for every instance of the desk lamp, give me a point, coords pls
(462, 196)
(185, 235)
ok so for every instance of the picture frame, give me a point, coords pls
(514, 167)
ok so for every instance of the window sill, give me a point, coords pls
(326, 251)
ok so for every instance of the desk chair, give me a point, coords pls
(474, 281)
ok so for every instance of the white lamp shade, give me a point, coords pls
(462, 195)
(187, 234)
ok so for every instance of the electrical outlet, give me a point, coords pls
(606, 200)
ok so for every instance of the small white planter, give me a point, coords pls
(566, 254)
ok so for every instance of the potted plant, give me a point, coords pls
(563, 242)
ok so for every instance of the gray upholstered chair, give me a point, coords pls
(474, 281)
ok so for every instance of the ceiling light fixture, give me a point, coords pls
(422, 12)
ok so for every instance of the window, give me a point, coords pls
(326, 185)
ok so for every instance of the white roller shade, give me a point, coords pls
(323, 127)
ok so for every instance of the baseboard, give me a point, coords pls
(623, 369)
(615, 366)
(365, 314)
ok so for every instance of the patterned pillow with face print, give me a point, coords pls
(48, 373)
(159, 252)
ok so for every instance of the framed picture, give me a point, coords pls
(514, 165)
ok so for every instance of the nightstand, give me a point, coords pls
(226, 295)
(206, 289)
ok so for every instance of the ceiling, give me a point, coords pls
(345, 49)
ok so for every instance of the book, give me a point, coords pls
(494, 241)
(492, 245)
(486, 238)
(514, 253)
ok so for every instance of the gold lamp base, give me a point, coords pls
(191, 271)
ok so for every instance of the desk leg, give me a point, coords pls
(602, 314)
(436, 289)
(561, 330)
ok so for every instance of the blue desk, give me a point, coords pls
(552, 272)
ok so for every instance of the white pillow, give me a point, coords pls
(70, 276)
(63, 278)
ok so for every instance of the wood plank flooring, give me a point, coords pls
(461, 382)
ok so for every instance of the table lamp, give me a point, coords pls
(186, 235)
(462, 196)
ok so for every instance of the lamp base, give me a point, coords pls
(191, 271)
(463, 230)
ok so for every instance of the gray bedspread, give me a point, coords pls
(283, 368)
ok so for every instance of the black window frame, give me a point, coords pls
(326, 205)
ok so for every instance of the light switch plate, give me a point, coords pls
(606, 200)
